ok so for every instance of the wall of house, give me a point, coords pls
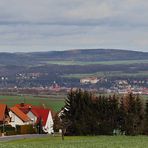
(49, 124)
(32, 117)
(15, 120)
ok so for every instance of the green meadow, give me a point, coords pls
(80, 142)
(53, 102)
(109, 74)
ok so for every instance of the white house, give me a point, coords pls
(91, 80)
(46, 117)
(18, 117)
(37, 114)
(49, 124)
(32, 116)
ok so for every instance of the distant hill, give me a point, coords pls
(67, 67)
(92, 55)
(88, 55)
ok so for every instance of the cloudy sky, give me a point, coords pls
(44, 25)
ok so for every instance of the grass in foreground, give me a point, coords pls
(81, 142)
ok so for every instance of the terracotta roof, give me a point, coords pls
(25, 108)
(2, 111)
(20, 114)
(39, 112)
(23, 105)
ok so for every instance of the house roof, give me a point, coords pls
(20, 114)
(35, 113)
(3, 108)
(23, 105)
(41, 113)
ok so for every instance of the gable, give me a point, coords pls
(20, 114)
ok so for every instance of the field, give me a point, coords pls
(80, 142)
(109, 74)
(98, 62)
(54, 102)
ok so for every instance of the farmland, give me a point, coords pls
(125, 62)
(81, 142)
(109, 74)
(54, 103)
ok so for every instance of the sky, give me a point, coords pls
(45, 25)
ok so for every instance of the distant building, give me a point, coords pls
(91, 80)
(55, 87)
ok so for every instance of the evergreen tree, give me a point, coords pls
(139, 115)
(102, 114)
(85, 114)
(78, 113)
(122, 115)
(113, 111)
(133, 121)
(145, 128)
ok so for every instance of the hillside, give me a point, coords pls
(92, 55)
(67, 67)
(89, 55)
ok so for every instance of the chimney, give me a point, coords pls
(30, 107)
(22, 104)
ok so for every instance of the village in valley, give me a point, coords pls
(119, 86)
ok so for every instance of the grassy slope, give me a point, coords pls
(53, 103)
(81, 142)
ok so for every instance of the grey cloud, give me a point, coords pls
(65, 24)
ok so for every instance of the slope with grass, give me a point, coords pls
(54, 103)
(80, 142)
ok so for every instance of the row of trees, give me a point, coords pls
(85, 114)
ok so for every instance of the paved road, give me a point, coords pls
(16, 137)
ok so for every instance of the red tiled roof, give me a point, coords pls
(2, 111)
(35, 113)
(42, 113)
(24, 107)
(39, 112)
(20, 114)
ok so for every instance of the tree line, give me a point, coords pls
(86, 114)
